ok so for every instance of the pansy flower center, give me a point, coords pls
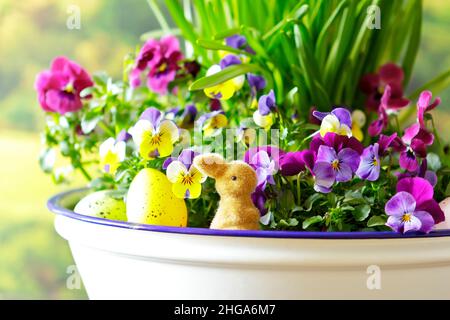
(187, 179)
(335, 164)
(69, 88)
(406, 217)
(375, 162)
(162, 67)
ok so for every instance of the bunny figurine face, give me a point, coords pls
(234, 178)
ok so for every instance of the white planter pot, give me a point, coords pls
(118, 260)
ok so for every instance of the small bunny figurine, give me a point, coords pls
(235, 182)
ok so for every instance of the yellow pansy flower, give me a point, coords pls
(358, 122)
(111, 154)
(186, 181)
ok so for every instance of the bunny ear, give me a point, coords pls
(211, 164)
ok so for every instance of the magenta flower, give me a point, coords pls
(292, 163)
(413, 207)
(160, 59)
(424, 105)
(416, 139)
(369, 167)
(331, 167)
(422, 172)
(374, 84)
(376, 127)
(59, 88)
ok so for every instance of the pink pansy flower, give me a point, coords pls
(160, 60)
(59, 88)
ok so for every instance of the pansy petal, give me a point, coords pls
(349, 157)
(344, 173)
(167, 127)
(197, 176)
(433, 208)
(326, 154)
(321, 189)
(106, 146)
(151, 114)
(426, 219)
(325, 176)
(410, 133)
(175, 170)
(419, 188)
(120, 149)
(414, 224)
(395, 223)
(180, 190)
(329, 124)
(343, 115)
(401, 203)
(408, 161)
(195, 190)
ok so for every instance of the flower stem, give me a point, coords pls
(299, 191)
(105, 128)
(84, 172)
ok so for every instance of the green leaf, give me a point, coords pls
(217, 45)
(376, 221)
(310, 221)
(414, 41)
(433, 161)
(47, 160)
(296, 14)
(311, 200)
(361, 212)
(90, 121)
(224, 75)
(291, 222)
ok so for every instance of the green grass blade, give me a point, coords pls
(224, 75)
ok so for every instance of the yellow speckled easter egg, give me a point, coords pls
(150, 200)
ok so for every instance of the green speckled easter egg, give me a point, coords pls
(102, 204)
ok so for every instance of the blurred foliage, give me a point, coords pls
(33, 258)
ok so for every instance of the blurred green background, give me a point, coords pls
(33, 259)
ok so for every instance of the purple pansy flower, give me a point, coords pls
(229, 60)
(404, 216)
(274, 153)
(265, 168)
(374, 85)
(59, 88)
(256, 83)
(161, 59)
(259, 200)
(413, 207)
(238, 42)
(331, 167)
(369, 167)
(123, 136)
(342, 114)
(188, 117)
(337, 142)
(267, 104)
(421, 172)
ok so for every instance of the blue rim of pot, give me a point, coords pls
(54, 205)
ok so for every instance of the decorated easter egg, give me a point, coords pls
(150, 200)
(102, 204)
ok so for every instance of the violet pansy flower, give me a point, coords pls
(369, 167)
(339, 121)
(413, 208)
(267, 104)
(256, 83)
(265, 168)
(331, 167)
(404, 216)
